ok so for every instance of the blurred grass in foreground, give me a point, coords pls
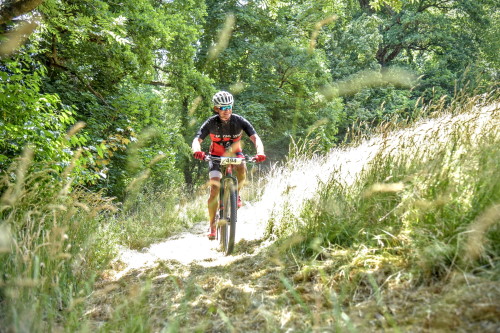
(56, 239)
(53, 243)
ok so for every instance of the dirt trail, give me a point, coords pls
(193, 247)
(193, 284)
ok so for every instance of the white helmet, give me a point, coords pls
(223, 98)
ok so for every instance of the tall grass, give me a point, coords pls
(420, 188)
(53, 243)
(152, 215)
(422, 191)
(56, 239)
(406, 208)
(419, 205)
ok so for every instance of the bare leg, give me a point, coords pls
(241, 174)
(213, 200)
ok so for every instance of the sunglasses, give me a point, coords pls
(224, 108)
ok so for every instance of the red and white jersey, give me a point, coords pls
(225, 136)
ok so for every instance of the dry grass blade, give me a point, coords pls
(12, 194)
(16, 38)
(5, 238)
(317, 29)
(75, 129)
(223, 38)
(474, 248)
(369, 79)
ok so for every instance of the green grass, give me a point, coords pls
(422, 186)
(54, 242)
(150, 216)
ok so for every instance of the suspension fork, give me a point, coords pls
(227, 174)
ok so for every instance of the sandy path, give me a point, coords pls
(193, 246)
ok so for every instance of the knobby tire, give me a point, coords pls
(229, 214)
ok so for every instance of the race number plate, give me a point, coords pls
(230, 160)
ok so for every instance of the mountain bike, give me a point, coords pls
(228, 201)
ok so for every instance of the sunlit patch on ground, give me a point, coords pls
(193, 246)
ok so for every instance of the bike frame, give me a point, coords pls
(228, 196)
(226, 174)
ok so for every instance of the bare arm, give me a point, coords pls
(259, 146)
(196, 145)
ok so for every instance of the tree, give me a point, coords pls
(121, 68)
(270, 67)
(307, 69)
(438, 38)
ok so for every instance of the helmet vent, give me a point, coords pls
(223, 98)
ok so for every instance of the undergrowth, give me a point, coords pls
(152, 215)
(54, 240)
(57, 238)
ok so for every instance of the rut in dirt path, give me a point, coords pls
(189, 278)
(197, 294)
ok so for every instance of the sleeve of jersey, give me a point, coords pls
(203, 131)
(247, 127)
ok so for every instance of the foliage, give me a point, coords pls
(44, 126)
(276, 78)
(106, 67)
(147, 64)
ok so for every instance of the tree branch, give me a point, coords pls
(54, 62)
(423, 6)
(158, 83)
(15, 38)
(14, 9)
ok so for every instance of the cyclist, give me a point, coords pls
(225, 130)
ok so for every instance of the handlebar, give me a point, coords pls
(225, 160)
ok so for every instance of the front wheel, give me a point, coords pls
(227, 223)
